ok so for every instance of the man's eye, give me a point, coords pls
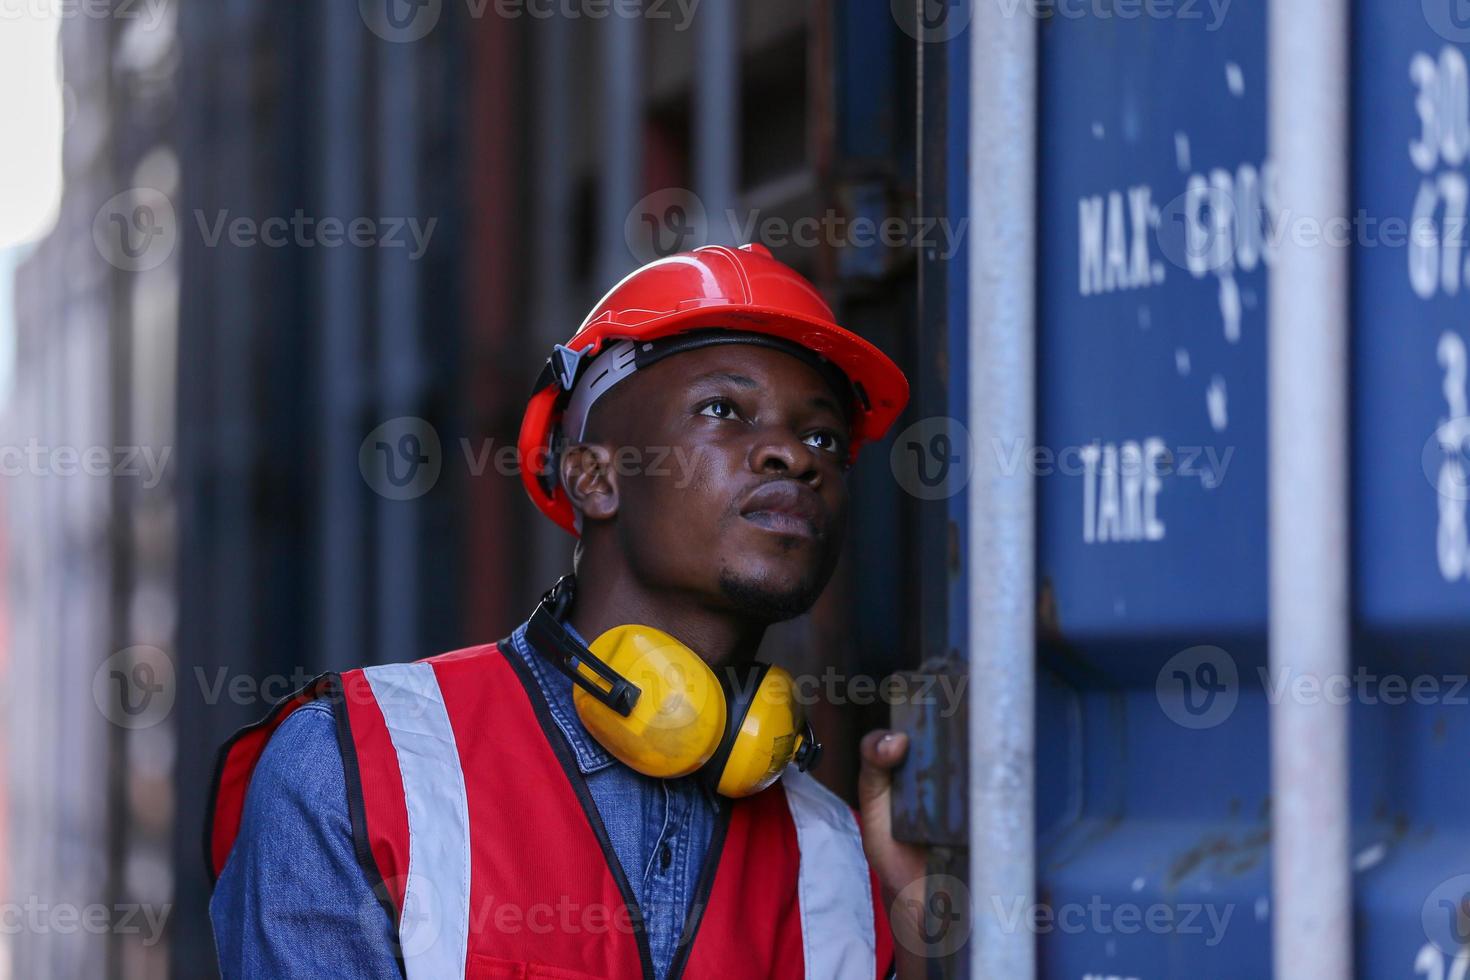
(720, 408)
(824, 440)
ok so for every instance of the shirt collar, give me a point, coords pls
(557, 689)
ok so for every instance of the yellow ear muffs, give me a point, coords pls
(678, 719)
(659, 708)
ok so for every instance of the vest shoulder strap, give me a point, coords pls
(236, 762)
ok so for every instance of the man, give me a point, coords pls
(472, 816)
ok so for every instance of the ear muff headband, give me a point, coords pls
(740, 686)
(551, 639)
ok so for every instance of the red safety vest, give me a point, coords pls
(470, 817)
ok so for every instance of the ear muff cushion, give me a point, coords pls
(678, 721)
(764, 724)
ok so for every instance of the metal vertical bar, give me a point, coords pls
(551, 234)
(400, 368)
(717, 118)
(344, 194)
(622, 137)
(1002, 543)
(551, 185)
(1307, 377)
(121, 571)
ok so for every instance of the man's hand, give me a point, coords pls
(896, 864)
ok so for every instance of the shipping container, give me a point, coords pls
(1168, 192)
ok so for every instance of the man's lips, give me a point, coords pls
(786, 507)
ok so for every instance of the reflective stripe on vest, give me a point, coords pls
(837, 935)
(433, 927)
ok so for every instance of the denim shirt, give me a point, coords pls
(292, 900)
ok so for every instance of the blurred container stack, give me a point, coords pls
(244, 370)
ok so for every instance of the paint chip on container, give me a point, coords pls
(1181, 150)
(1138, 884)
(1263, 908)
(1217, 403)
(1230, 307)
(1369, 856)
(1235, 79)
(1181, 361)
(1097, 131)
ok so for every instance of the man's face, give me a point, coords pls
(748, 509)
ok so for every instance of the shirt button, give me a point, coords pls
(665, 858)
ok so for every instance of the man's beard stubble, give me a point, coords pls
(764, 603)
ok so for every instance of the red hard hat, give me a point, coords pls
(742, 289)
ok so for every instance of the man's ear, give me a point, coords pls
(590, 480)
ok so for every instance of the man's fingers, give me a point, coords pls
(883, 748)
(880, 751)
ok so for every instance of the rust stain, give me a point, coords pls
(1233, 856)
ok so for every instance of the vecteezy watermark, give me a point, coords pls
(1365, 687)
(1198, 687)
(138, 229)
(421, 916)
(1129, 460)
(675, 219)
(937, 21)
(145, 463)
(1450, 19)
(1446, 458)
(403, 459)
(1445, 915)
(1099, 917)
(150, 12)
(1446, 465)
(135, 687)
(932, 21)
(934, 458)
(36, 916)
(404, 21)
(835, 687)
(1226, 220)
(305, 231)
(665, 222)
(932, 916)
(1212, 12)
(139, 687)
(400, 21)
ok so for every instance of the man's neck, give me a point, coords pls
(606, 598)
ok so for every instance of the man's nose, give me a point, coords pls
(777, 450)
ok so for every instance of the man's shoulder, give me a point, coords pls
(478, 653)
(302, 750)
(472, 654)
